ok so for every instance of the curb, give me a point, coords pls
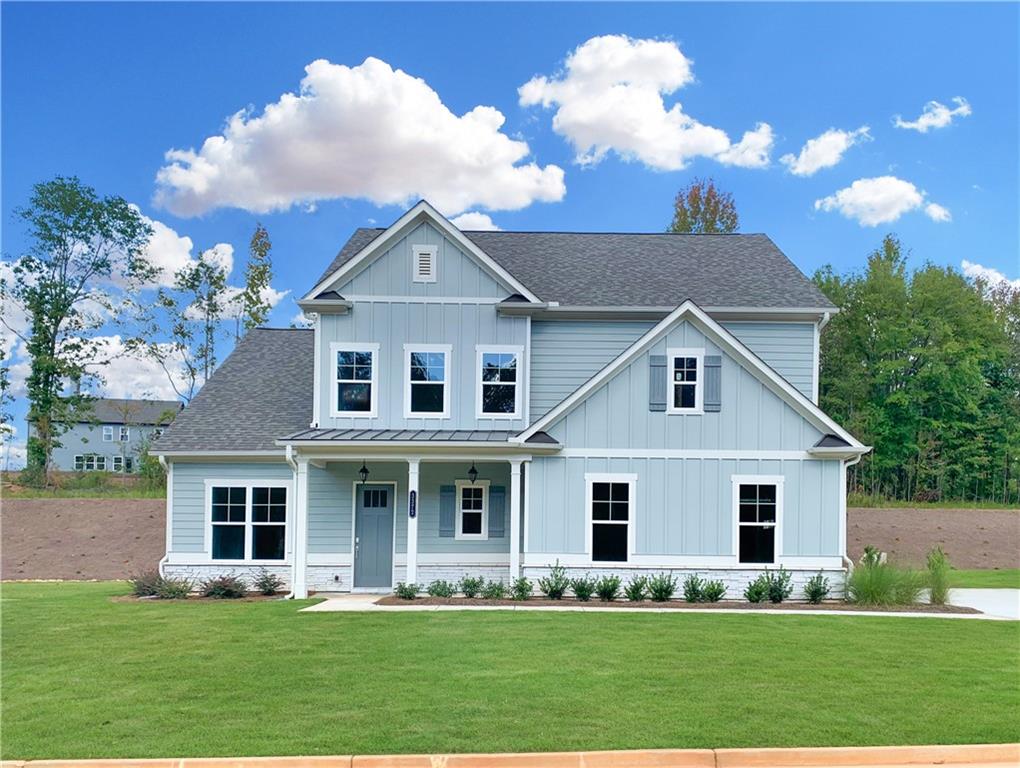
(988, 755)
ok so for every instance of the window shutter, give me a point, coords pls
(657, 382)
(713, 383)
(447, 510)
(497, 512)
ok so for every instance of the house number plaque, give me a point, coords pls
(412, 504)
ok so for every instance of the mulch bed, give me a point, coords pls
(679, 605)
(197, 599)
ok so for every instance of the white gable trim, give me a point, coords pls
(422, 210)
(729, 344)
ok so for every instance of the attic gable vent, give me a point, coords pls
(423, 259)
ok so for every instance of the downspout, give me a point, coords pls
(166, 549)
(847, 561)
(825, 321)
(293, 569)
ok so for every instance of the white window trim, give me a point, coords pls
(446, 349)
(124, 435)
(433, 251)
(457, 531)
(107, 434)
(337, 347)
(79, 459)
(518, 352)
(776, 480)
(118, 463)
(590, 478)
(248, 524)
(699, 384)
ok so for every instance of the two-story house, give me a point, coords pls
(490, 403)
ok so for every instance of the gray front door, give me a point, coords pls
(373, 536)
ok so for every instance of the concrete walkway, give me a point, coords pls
(357, 603)
(998, 603)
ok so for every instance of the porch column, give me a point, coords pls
(412, 521)
(515, 518)
(300, 581)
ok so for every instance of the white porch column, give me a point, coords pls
(515, 518)
(412, 522)
(300, 581)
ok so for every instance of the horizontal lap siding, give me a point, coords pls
(789, 348)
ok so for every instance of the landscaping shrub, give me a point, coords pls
(267, 582)
(713, 591)
(662, 587)
(877, 582)
(494, 590)
(938, 576)
(583, 588)
(440, 588)
(608, 588)
(86, 481)
(758, 590)
(471, 585)
(228, 587)
(816, 589)
(555, 584)
(780, 584)
(520, 589)
(145, 584)
(694, 589)
(636, 589)
(406, 591)
(173, 589)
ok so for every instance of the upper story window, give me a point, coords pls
(423, 263)
(686, 375)
(107, 434)
(499, 390)
(125, 434)
(427, 381)
(355, 390)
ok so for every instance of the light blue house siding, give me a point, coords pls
(82, 439)
(566, 353)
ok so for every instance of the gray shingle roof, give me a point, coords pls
(112, 410)
(648, 270)
(261, 391)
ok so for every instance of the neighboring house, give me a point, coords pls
(110, 437)
(490, 403)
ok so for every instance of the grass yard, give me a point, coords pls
(84, 676)
(1000, 578)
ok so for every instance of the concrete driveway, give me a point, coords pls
(1002, 603)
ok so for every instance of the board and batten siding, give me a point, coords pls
(566, 353)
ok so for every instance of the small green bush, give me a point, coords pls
(146, 584)
(554, 586)
(471, 586)
(173, 589)
(228, 587)
(86, 481)
(636, 589)
(440, 588)
(608, 588)
(267, 583)
(662, 587)
(520, 589)
(877, 582)
(713, 591)
(758, 590)
(816, 589)
(406, 591)
(494, 590)
(780, 584)
(583, 587)
(694, 589)
(938, 576)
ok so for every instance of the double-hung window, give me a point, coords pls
(107, 434)
(89, 462)
(125, 434)
(123, 464)
(610, 516)
(355, 386)
(472, 509)
(758, 501)
(247, 521)
(686, 373)
(427, 381)
(499, 382)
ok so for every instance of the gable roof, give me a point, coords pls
(261, 391)
(731, 345)
(638, 270)
(115, 410)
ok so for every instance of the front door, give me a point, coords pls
(373, 536)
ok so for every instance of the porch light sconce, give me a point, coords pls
(363, 472)
(473, 473)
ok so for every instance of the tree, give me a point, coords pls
(258, 273)
(85, 250)
(701, 209)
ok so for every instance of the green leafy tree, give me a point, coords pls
(702, 209)
(258, 273)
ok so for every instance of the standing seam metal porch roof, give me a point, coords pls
(399, 435)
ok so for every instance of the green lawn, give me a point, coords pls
(83, 676)
(1005, 577)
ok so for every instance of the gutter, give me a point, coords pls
(293, 465)
(847, 561)
(166, 550)
(825, 321)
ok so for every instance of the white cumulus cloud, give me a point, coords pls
(823, 151)
(609, 97)
(935, 115)
(367, 131)
(879, 200)
(473, 220)
(988, 275)
(133, 375)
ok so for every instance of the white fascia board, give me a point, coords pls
(729, 343)
(421, 210)
(436, 446)
(221, 455)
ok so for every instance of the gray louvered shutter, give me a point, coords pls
(497, 512)
(447, 510)
(657, 381)
(713, 383)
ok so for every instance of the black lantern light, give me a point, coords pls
(473, 473)
(363, 472)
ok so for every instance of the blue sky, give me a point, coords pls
(104, 91)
